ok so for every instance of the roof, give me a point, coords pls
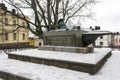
(13, 12)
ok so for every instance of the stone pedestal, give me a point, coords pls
(79, 39)
(67, 49)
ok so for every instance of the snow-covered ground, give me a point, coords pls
(110, 70)
(91, 58)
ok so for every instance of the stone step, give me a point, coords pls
(10, 76)
(67, 49)
(78, 66)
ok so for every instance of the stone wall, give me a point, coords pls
(10, 76)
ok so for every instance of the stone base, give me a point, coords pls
(10, 76)
(67, 49)
(78, 66)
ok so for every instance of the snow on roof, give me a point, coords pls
(86, 29)
(98, 32)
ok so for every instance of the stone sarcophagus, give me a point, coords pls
(73, 38)
(63, 38)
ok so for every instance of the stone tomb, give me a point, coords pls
(65, 41)
(71, 40)
(63, 38)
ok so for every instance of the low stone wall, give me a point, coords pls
(10, 76)
(67, 49)
(83, 67)
(14, 45)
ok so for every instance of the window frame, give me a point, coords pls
(6, 21)
(6, 36)
(23, 36)
(101, 37)
(14, 36)
(101, 43)
(14, 22)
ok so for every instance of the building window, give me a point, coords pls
(23, 23)
(23, 36)
(101, 37)
(14, 22)
(40, 44)
(14, 36)
(6, 36)
(101, 43)
(6, 21)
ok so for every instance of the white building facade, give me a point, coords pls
(38, 42)
(103, 41)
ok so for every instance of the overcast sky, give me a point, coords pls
(107, 15)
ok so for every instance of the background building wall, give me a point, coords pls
(103, 41)
(10, 28)
(116, 40)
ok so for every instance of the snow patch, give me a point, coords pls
(110, 71)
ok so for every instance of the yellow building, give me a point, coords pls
(11, 35)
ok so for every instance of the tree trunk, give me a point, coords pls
(49, 13)
(56, 13)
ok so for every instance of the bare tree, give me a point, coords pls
(46, 13)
